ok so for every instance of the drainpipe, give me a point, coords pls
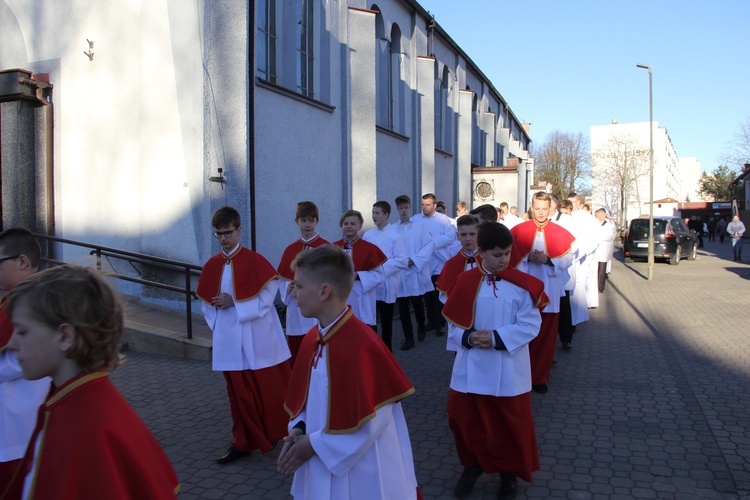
(251, 121)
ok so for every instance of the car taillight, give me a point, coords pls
(627, 235)
(668, 232)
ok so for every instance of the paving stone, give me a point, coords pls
(650, 403)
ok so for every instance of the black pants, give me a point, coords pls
(602, 275)
(385, 311)
(565, 326)
(434, 306)
(405, 315)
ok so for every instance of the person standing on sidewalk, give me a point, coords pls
(736, 229)
(721, 228)
(606, 247)
(238, 288)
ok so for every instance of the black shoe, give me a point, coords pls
(466, 482)
(231, 455)
(540, 388)
(429, 327)
(441, 330)
(508, 487)
(408, 344)
(421, 333)
(566, 346)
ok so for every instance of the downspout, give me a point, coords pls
(251, 122)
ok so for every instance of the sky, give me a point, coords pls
(570, 64)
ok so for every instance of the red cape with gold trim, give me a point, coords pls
(6, 327)
(557, 240)
(253, 269)
(462, 295)
(363, 375)
(92, 444)
(452, 268)
(291, 252)
(366, 256)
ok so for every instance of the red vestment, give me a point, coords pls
(460, 307)
(453, 267)
(285, 265)
(90, 444)
(363, 374)
(254, 269)
(557, 240)
(6, 327)
(365, 255)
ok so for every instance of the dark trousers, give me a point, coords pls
(737, 248)
(405, 315)
(385, 311)
(602, 275)
(565, 325)
(434, 306)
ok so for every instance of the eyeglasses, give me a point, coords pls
(9, 258)
(224, 234)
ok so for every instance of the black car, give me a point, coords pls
(672, 239)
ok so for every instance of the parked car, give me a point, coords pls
(672, 239)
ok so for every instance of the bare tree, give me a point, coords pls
(618, 166)
(738, 148)
(563, 161)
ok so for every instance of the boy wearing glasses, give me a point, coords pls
(19, 398)
(238, 287)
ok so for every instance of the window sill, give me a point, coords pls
(445, 154)
(293, 95)
(391, 133)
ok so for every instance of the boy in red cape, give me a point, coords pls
(238, 288)
(88, 442)
(19, 398)
(467, 258)
(543, 250)
(493, 314)
(368, 265)
(348, 438)
(297, 325)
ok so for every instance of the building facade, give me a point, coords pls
(620, 156)
(141, 118)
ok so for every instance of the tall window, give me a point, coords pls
(266, 48)
(475, 139)
(382, 70)
(305, 57)
(394, 80)
(443, 129)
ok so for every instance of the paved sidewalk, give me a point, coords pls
(651, 402)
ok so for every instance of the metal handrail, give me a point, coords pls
(152, 260)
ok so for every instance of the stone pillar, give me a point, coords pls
(463, 148)
(426, 90)
(361, 42)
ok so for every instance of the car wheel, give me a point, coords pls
(675, 259)
(693, 253)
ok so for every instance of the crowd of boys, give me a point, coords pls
(500, 286)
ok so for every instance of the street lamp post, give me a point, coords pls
(651, 174)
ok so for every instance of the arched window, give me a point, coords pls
(394, 80)
(382, 70)
(475, 136)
